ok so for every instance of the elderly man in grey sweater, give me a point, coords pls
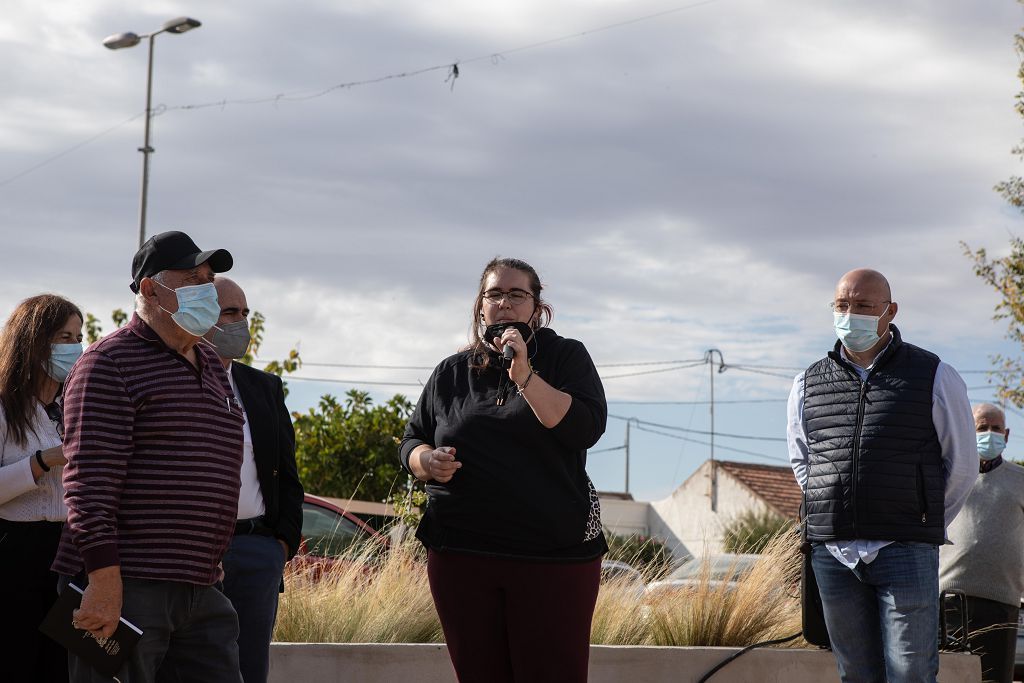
(986, 558)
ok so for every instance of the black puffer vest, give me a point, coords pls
(874, 459)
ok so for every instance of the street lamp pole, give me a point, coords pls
(123, 40)
(146, 149)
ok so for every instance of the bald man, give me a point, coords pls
(986, 558)
(881, 441)
(269, 525)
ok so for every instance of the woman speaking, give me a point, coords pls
(513, 523)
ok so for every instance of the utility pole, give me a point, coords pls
(709, 358)
(628, 423)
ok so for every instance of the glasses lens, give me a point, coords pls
(859, 307)
(841, 307)
(515, 297)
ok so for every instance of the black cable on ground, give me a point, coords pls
(718, 667)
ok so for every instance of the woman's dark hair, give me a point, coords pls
(479, 358)
(24, 355)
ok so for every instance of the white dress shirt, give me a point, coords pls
(250, 498)
(22, 498)
(954, 425)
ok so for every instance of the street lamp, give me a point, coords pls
(122, 40)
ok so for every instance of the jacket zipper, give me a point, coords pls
(922, 497)
(856, 450)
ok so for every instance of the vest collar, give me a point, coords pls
(887, 353)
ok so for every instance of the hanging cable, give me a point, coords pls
(718, 667)
(705, 443)
(701, 431)
(451, 68)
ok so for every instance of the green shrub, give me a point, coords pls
(647, 554)
(750, 531)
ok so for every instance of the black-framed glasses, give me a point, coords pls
(856, 307)
(513, 296)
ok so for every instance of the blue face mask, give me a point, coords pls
(198, 308)
(857, 332)
(990, 445)
(62, 358)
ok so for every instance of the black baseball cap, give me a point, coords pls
(174, 250)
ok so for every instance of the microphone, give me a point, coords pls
(507, 353)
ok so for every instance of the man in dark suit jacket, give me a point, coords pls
(269, 525)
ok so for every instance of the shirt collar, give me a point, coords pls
(842, 353)
(141, 329)
(989, 465)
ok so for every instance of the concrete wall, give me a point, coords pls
(344, 663)
(687, 517)
(625, 517)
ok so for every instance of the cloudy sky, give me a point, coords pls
(695, 180)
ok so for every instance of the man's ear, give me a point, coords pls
(147, 287)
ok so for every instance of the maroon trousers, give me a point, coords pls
(511, 621)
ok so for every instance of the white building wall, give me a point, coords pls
(686, 516)
(625, 517)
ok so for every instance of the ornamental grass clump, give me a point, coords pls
(367, 596)
(382, 596)
(762, 605)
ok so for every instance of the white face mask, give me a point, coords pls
(990, 445)
(857, 332)
(198, 307)
(62, 359)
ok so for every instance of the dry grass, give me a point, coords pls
(763, 606)
(370, 597)
(385, 598)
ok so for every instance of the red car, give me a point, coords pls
(329, 529)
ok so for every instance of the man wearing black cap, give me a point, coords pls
(153, 438)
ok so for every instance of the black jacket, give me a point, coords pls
(273, 445)
(522, 490)
(875, 466)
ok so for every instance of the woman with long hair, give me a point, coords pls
(40, 342)
(513, 523)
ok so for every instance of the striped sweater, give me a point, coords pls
(154, 448)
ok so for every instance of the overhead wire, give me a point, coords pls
(706, 443)
(748, 437)
(653, 372)
(372, 366)
(69, 150)
(298, 96)
(689, 423)
(695, 403)
(448, 67)
(606, 450)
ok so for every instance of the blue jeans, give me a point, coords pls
(252, 581)
(882, 617)
(189, 635)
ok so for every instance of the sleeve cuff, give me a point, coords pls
(100, 556)
(16, 479)
(408, 446)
